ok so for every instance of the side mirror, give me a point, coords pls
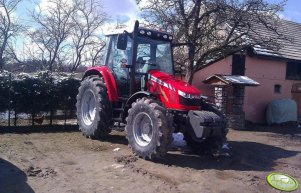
(122, 41)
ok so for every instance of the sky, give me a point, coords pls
(292, 10)
(127, 10)
(123, 10)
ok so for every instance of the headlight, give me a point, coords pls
(189, 96)
(183, 94)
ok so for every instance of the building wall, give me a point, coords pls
(266, 72)
(220, 67)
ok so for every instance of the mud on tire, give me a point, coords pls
(93, 108)
(149, 129)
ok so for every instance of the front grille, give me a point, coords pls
(190, 102)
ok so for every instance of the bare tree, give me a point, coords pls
(9, 27)
(55, 27)
(95, 53)
(88, 19)
(214, 28)
(67, 31)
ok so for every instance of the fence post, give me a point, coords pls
(51, 105)
(9, 101)
(15, 119)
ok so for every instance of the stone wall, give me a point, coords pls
(230, 100)
(221, 96)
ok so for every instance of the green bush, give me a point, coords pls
(32, 93)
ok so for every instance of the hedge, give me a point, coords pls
(32, 93)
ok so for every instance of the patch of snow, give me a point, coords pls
(117, 166)
(24, 116)
(226, 146)
(265, 51)
(240, 80)
(4, 115)
(178, 140)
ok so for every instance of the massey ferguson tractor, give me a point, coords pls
(136, 87)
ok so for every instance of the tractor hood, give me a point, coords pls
(182, 88)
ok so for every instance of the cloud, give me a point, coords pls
(45, 5)
(116, 8)
(124, 12)
(121, 9)
(284, 16)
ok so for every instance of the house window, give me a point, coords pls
(293, 71)
(277, 88)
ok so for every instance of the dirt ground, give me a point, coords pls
(65, 161)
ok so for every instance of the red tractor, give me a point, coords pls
(136, 87)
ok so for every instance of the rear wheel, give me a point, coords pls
(93, 108)
(149, 129)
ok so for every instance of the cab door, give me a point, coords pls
(114, 62)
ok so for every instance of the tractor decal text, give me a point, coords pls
(158, 81)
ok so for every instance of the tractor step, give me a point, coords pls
(123, 99)
(118, 109)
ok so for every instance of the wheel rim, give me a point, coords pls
(143, 129)
(88, 107)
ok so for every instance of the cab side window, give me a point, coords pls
(143, 57)
(116, 55)
(114, 63)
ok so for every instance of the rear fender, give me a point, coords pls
(108, 78)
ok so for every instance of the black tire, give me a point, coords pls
(96, 123)
(153, 138)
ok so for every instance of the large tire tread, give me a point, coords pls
(160, 143)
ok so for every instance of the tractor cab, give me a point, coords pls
(131, 55)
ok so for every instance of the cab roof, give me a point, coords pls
(154, 34)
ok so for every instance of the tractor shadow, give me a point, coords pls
(12, 179)
(285, 128)
(245, 156)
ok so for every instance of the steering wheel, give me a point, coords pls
(140, 60)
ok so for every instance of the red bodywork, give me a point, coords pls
(167, 88)
(160, 84)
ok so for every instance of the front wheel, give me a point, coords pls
(149, 129)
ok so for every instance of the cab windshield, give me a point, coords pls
(153, 54)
